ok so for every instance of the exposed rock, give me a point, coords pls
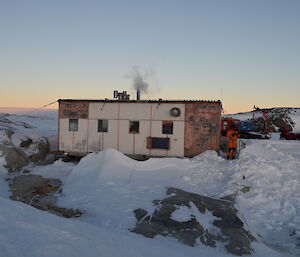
(26, 143)
(283, 121)
(14, 157)
(278, 119)
(40, 193)
(5, 136)
(245, 189)
(225, 227)
(39, 150)
(295, 236)
(17, 157)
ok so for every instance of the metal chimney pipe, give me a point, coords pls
(138, 95)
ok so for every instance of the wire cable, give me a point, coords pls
(37, 109)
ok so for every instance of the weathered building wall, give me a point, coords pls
(202, 127)
(73, 141)
(66, 137)
(73, 110)
(195, 130)
(150, 117)
(98, 141)
(161, 112)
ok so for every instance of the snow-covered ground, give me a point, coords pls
(272, 207)
(30, 123)
(108, 186)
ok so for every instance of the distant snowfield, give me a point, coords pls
(42, 122)
(29, 111)
(108, 186)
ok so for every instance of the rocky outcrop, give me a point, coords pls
(40, 193)
(21, 153)
(201, 220)
(278, 119)
(15, 158)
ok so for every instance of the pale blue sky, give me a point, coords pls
(52, 49)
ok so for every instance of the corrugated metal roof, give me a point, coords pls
(138, 101)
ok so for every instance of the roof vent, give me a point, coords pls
(121, 96)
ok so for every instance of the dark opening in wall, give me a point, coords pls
(102, 125)
(158, 143)
(134, 127)
(167, 127)
(73, 124)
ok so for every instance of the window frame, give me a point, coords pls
(167, 125)
(102, 129)
(71, 126)
(151, 144)
(131, 131)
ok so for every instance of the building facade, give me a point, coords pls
(139, 128)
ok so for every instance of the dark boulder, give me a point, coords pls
(15, 158)
(40, 193)
(224, 226)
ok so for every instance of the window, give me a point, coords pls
(167, 127)
(73, 124)
(102, 125)
(134, 127)
(158, 143)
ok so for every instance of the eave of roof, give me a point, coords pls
(137, 101)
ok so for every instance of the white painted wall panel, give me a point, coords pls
(135, 111)
(65, 136)
(80, 136)
(103, 111)
(110, 139)
(125, 138)
(156, 131)
(176, 139)
(94, 138)
(88, 139)
(162, 111)
(140, 140)
(98, 141)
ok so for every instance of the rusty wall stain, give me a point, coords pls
(202, 128)
(73, 110)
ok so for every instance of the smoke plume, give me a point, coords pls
(139, 80)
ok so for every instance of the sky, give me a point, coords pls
(242, 52)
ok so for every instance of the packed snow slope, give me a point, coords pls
(272, 207)
(109, 186)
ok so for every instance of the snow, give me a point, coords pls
(182, 214)
(244, 115)
(28, 232)
(111, 179)
(58, 169)
(272, 208)
(205, 219)
(108, 186)
(3, 176)
(295, 116)
(35, 125)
